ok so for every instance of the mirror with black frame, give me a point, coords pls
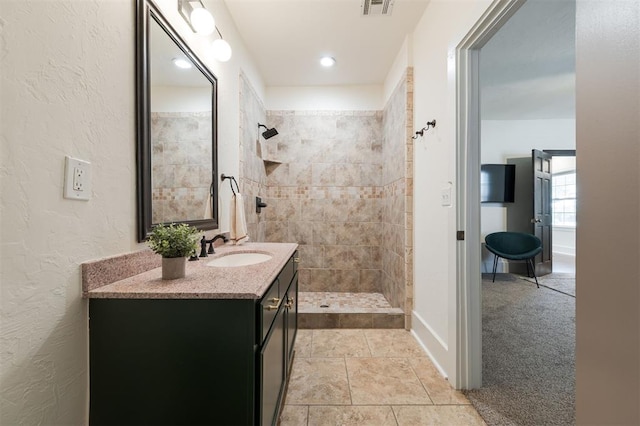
(177, 126)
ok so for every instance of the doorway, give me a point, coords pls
(469, 155)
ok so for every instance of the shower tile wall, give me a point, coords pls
(340, 184)
(253, 177)
(397, 197)
(181, 173)
(326, 196)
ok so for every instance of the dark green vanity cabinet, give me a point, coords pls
(192, 361)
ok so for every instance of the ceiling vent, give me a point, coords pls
(376, 7)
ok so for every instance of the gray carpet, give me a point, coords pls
(564, 283)
(528, 337)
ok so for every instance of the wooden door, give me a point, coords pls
(542, 218)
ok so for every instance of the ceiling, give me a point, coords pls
(527, 69)
(162, 51)
(287, 38)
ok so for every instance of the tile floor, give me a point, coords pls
(369, 377)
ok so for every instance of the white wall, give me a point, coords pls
(319, 98)
(398, 69)
(180, 99)
(68, 88)
(440, 30)
(503, 139)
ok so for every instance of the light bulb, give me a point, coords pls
(327, 61)
(202, 21)
(221, 50)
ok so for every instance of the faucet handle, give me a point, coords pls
(203, 246)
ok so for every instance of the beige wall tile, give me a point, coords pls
(346, 171)
(311, 256)
(355, 320)
(388, 320)
(313, 321)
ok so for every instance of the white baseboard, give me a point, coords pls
(433, 345)
(487, 266)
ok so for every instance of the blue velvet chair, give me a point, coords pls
(514, 246)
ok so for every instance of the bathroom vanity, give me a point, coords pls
(212, 348)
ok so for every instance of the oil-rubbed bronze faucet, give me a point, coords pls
(204, 242)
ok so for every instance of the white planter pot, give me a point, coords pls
(173, 267)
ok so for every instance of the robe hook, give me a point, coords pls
(420, 132)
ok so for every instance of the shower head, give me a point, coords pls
(269, 133)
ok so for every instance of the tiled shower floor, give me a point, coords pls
(347, 310)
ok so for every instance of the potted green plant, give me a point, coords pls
(174, 242)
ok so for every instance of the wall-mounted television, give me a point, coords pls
(497, 183)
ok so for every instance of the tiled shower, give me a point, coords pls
(181, 171)
(338, 183)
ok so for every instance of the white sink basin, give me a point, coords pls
(239, 259)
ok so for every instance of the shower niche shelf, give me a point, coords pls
(268, 156)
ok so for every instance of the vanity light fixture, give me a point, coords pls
(197, 16)
(202, 22)
(221, 50)
(327, 61)
(181, 63)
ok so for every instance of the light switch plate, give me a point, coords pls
(445, 197)
(77, 179)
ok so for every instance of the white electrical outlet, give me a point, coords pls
(77, 179)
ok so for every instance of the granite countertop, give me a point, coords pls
(205, 282)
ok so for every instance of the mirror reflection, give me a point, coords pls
(181, 133)
(176, 128)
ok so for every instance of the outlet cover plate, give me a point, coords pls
(77, 179)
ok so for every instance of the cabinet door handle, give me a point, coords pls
(296, 260)
(274, 300)
(271, 307)
(288, 305)
(290, 300)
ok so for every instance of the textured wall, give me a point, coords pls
(325, 196)
(67, 86)
(181, 157)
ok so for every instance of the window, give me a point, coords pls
(563, 198)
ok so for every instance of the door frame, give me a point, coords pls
(468, 294)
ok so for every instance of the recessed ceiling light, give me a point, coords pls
(181, 63)
(327, 61)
